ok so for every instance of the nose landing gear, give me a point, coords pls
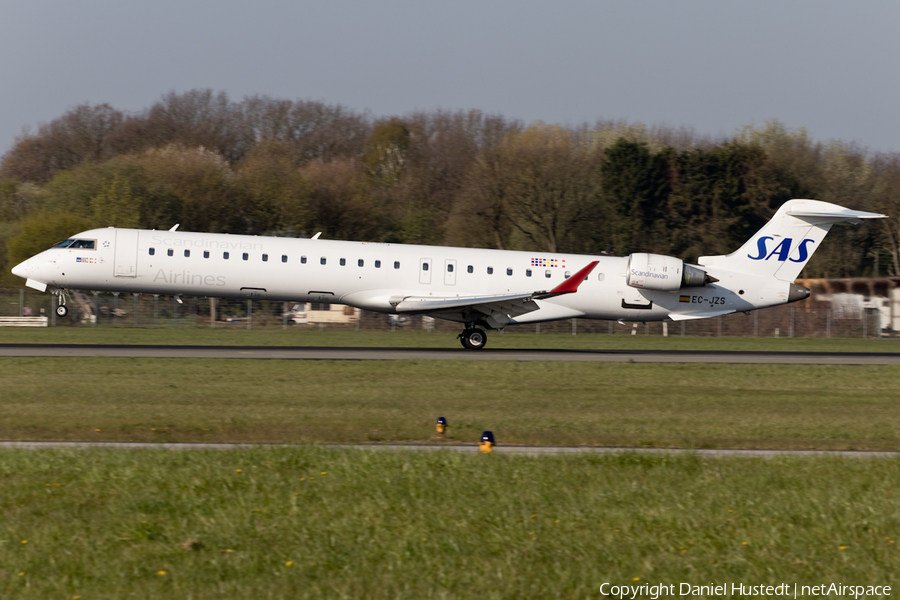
(61, 310)
(473, 338)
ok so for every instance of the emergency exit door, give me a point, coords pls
(126, 253)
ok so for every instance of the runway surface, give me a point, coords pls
(333, 353)
(471, 448)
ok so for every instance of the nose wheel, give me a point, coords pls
(473, 338)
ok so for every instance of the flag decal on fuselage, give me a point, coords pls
(684, 298)
(548, 262)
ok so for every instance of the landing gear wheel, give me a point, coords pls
(473, 339)
(62, 310)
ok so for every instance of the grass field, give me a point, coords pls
(512, 338)
(683, 405)
(319, 523)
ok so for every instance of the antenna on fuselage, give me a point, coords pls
(315, 237)
(174, 227)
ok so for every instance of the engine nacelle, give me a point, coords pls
(663, 273)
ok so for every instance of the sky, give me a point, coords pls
(712, 66)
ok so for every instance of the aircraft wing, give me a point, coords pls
(496, 309)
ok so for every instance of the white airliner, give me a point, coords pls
(482, 289)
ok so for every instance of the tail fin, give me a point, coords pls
(785, 244)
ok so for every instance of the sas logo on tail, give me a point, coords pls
(782, 250)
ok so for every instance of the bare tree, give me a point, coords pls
(79, 135)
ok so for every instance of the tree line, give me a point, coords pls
(283, 167)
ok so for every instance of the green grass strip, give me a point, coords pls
(678, 405)
(319, 523)
(513, 338)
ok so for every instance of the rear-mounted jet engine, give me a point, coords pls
(663, 273)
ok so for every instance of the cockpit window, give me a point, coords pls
(83, 244)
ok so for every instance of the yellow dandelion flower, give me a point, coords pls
(237, 470)
(76, 597)
(556, 521)
(229, 550)
(636, 579)
(424, 539)
(324, 472)
(288, 563)
(96, 430)
(24, 541)
(743, 543)
(160, 572)
(842, 547)
(303, 479)
(21, 573)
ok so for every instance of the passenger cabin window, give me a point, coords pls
(424, 266)
(322, 260)
(396, 264)
(547, 273)
(225, 255)
(450, 268)
(343, 262)
(527, 272)
(265, 258)
(206, 254)
(246, 256)
(152, 251)
(284, 258)
(187, 253)
(509, 271)
(568, 274)
(470, 269)
(170, 252)
(302, 260)
(377, 264)
(490, 270)
(360, 262)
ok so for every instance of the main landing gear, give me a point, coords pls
(473, 338)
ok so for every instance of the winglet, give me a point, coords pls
(571, 284)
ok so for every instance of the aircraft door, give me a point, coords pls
(126, 253)
(425, 271)
(449, 272)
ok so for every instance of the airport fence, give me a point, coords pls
(808, 318)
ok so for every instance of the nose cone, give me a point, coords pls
(22, 269)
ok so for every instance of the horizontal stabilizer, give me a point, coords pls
(838, 215)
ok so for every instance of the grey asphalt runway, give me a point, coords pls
(333, 353)
(471, 448)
